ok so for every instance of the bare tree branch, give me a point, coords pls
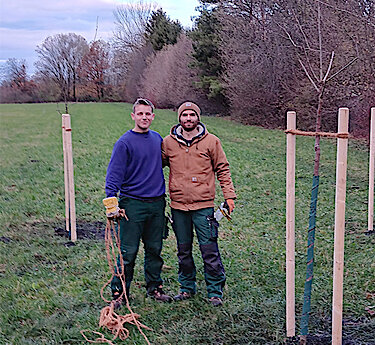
(301, 30)
(343, 10)
(329, 67)
(308, 75)
(307, 48)
(96, 28)
(320, 44)
(130, 21)
(343, 68)
(289, 36)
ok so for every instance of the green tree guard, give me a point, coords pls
(310, 257)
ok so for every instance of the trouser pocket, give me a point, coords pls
(214, 227)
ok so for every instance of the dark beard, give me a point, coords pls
(188, 129)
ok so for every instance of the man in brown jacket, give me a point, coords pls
(194, 157)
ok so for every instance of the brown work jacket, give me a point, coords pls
(193, 166)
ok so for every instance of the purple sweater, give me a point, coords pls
(135, 168)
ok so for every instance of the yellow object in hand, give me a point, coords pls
(111, 205)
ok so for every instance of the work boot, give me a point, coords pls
(216, 301)
(182, 296)
(159, 295)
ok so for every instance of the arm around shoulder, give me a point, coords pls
(164, 153)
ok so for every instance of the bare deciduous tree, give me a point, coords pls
(137, 62)
(301, 54)
(255, 64)
(325, 47)
(167, 79)
(117, 72)
(15, 72)
(315, 48)
(60, 58)
(259, 63)
(130, 21)
(95, 65)
(16, 86)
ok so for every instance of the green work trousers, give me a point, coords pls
(146, 222)
(206, 229)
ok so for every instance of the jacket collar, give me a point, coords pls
(176, 133)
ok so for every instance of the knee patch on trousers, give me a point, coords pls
(185, 258)
(212, 259)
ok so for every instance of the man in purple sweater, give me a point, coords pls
(135, 170)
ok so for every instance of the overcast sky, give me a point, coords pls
(24, 24)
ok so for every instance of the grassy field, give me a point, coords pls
(49, 291)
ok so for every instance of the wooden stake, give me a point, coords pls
(66, 183)
(70, 173)
(338, 258)
(371, 173)
(290, 225)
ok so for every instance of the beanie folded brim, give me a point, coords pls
(188, 106)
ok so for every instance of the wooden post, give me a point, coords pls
(338, 257)
(66, 183)
(290, 226)
(70, 175)
(371, 173)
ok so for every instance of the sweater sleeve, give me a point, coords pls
(221, 169)
(116, 169)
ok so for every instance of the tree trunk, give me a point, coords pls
(312, 226)
(74, 87)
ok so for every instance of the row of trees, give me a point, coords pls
(252, 59)
(71, 69)
(68, 69)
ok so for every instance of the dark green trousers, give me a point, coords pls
(146, 222)
(206, 230)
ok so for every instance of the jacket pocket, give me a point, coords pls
(199, 188)
(176, 187)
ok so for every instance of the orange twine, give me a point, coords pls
(108, 318)
(321, 134)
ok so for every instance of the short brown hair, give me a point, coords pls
(143, 101)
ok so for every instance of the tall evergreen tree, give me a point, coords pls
(206, 40)
(160, 30)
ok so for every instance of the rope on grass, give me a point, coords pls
(108, 318)
(314, 134)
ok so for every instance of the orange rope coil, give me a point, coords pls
(108, 318)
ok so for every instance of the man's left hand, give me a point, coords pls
(230, 203)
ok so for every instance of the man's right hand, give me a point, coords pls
(230, 203)
(121, 213)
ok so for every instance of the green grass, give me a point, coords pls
(49, 291)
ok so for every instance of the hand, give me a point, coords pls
(111, 205)
(230, 203)
(121, 213)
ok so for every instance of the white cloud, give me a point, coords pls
(62, 16)
(24, 24)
